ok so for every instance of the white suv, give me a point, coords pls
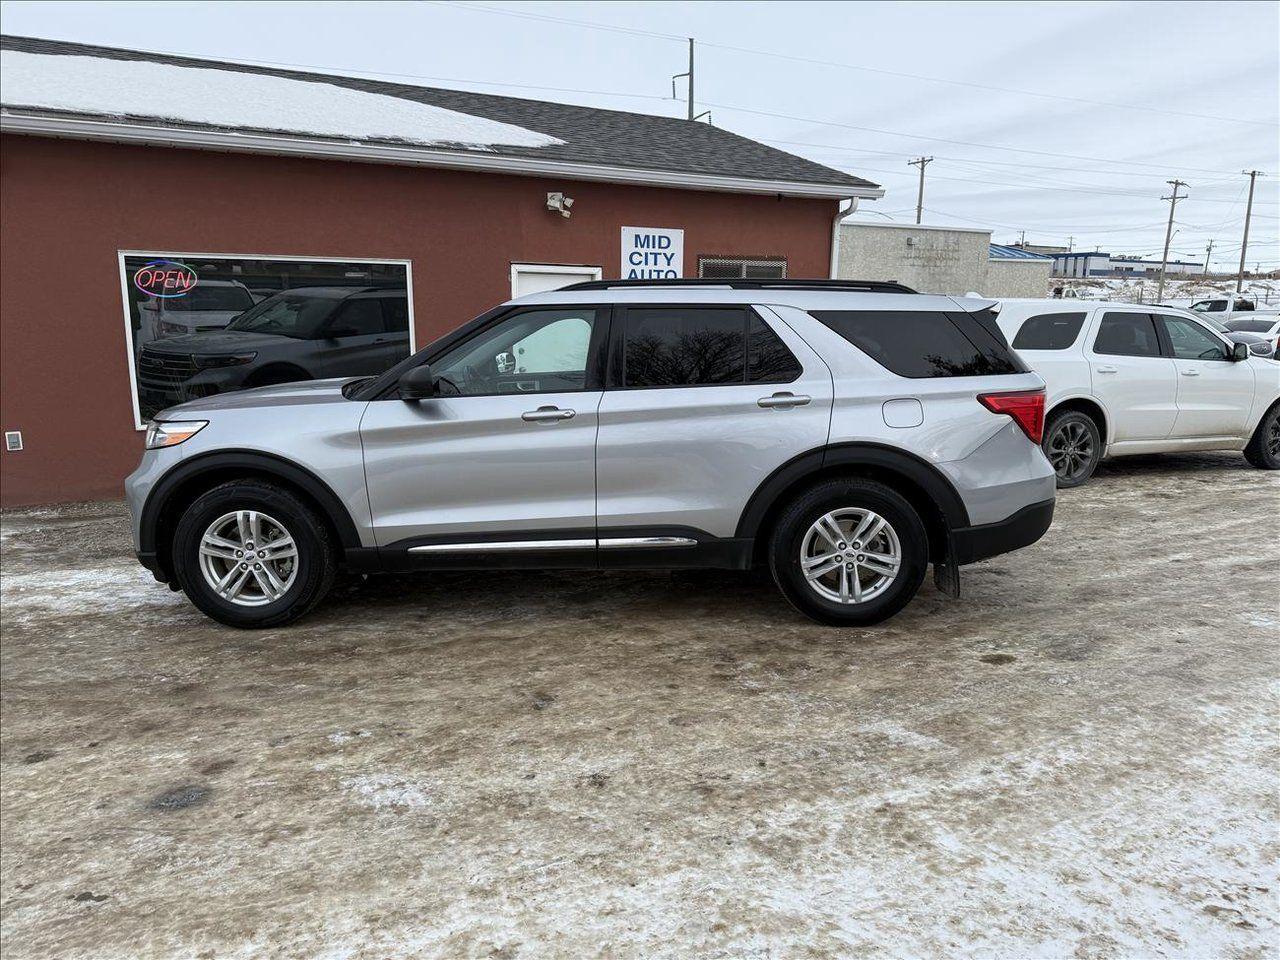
(1131, 378)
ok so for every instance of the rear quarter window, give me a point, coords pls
(922, 344)
(1049, 331)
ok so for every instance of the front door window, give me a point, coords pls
(536, 351)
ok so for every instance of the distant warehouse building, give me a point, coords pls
(948, 260)
(1097, 264)
(159, 210)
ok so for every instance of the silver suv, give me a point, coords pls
(844, 434)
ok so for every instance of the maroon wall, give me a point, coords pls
(68, 206)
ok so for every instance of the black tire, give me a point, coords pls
(315, 562)
(1073, 445)
(788, 540)
(1263, 450)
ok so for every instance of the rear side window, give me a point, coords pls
(768, 359)
(1049, 331)
(683, 347)
(920, 344)
(1127, 335)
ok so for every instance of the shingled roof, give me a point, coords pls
(514, 135)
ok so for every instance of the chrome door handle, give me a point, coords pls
(1107, 370)
(783, 400)
(1191, 373)
(546, 415)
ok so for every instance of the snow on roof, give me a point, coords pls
(225, 98)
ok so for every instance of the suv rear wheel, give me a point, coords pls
(252, 555)
(849, 552)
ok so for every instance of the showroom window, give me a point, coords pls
(742, 268)
(198, 325)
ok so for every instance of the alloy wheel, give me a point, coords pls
(1070, 450)
(248, 558)
(850, 555)
(1273, 437)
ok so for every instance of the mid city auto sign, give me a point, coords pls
(652, 253)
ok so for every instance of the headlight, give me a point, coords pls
(172, 433)
(223, 360)
(168, 329)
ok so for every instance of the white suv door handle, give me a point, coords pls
(783, 400)
(1107, 370)
(1191, 373)
(547, 415)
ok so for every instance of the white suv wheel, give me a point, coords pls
(850, 555)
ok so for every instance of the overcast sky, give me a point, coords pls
(1102, 101)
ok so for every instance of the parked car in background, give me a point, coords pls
(1128, 378)
(845, 435)
(210, 305)
(1265, 327)
(1231, 305)
(307, 333)
(1258, 344)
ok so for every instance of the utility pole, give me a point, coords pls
(1168, 233)
(920, 162)
(1070, 241)
(1248, 213)
(1022, 239)
(1208, 252)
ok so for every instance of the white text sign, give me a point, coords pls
(652, 253)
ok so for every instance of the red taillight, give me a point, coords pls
(1025, 406)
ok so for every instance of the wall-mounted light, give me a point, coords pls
(559, 203)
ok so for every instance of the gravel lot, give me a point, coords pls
(1078, 759)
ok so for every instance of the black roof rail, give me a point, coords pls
(861, 286)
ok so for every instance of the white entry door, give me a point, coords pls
(527, 278)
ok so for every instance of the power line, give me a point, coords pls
(594, 25)
(1226, 175)
(963, 143)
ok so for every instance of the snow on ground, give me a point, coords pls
(227, 98)
(1177, 292)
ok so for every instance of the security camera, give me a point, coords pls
(559, 203)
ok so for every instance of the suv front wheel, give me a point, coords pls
(849, 552)
(252, 555)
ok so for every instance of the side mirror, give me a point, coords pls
(1239, 351)
(418, 384)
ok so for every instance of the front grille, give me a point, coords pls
(165, 369)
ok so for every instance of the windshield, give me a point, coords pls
(230, 297)
(286, 315)
(1206, 305)
(1250, 325)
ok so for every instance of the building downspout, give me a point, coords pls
(841, 213)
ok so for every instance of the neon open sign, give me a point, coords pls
(165, 279)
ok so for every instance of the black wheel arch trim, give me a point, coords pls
(288, 471)
(855, 453)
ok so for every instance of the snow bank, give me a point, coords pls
(229, 99)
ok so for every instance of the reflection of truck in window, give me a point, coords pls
(210, 305)
(1230, 306)
(308, 333)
